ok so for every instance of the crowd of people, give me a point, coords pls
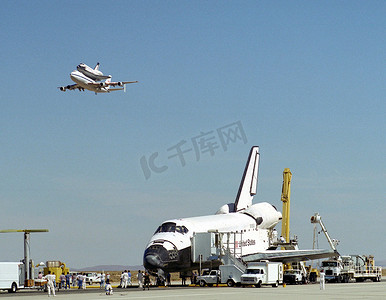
(66, 281)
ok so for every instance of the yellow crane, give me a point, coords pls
(285, 197)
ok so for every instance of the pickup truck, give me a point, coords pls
(293, 276)
(209, 277)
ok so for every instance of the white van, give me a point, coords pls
(263, 273)
(11, 276)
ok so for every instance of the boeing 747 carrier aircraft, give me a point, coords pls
(86, 78)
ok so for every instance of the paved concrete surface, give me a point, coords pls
(365, 290)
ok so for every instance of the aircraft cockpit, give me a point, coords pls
(171, 227)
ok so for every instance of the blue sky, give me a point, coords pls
(306, 81)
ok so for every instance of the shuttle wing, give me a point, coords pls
(248, 183)
(103, 77)
(287, 256)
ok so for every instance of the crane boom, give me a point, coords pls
(316, 218)
(285, 197)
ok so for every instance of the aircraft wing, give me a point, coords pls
(287, 256)
(70, 87)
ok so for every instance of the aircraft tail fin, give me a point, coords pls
(97, 66)
(248, 183)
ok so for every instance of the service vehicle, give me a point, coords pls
(263, 273)
(93, 278)
(227, 274)
(208, 277)
(357, 267)
(12, 276)
(293, 276)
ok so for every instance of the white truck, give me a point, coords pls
(293, 276)
(227, 274)
(263, 273)
(11, 276)
(345, 268)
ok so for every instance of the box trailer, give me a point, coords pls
(11, 276)
(263, 273)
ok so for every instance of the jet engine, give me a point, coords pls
(265, 215)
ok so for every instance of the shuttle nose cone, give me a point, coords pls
(154, 261)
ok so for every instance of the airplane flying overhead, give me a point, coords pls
(170, 248)
(94, 74)
(84, 82)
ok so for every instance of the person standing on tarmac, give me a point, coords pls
(322, 280)
(68, 276)
(84, 281)
(79, 277)
(122, 279)
(146, 278)
(125, 279)
(62, 278)
(128, 277)
(50, 283)
(140, 279)
(103, 277)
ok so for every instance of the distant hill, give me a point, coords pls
(381, 263)
(108, 268)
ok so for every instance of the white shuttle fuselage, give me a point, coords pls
(94, 74)
(170, 247)
(248, 226)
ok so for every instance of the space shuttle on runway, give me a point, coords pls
(170, 248)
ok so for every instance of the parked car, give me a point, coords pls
(93, 278)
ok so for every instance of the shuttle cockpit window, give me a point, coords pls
(182, 229)
(167, 227)
(171, 227)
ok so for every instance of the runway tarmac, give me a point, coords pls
(364, 290)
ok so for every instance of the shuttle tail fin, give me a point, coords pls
(248, 183)
(97, 66)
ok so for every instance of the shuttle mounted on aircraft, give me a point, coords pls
(94, 74)
(86, 78)
(170, 248)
